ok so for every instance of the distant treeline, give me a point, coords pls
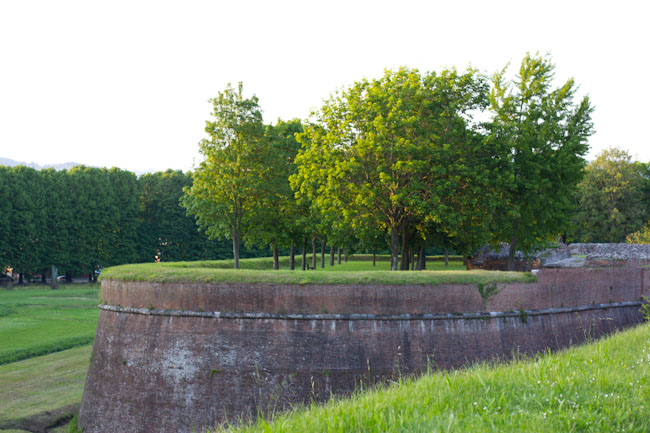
(86, 218)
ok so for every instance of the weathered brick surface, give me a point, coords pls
(555, 288)
(155, 373)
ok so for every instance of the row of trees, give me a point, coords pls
(87, 218)
(402, 163)
(402, 158)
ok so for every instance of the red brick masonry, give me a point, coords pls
(170, 357)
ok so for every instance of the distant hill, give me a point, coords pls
(63, 166)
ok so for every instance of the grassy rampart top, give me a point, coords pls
(260, 270)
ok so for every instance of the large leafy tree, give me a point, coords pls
(610, 197)
(387, 150)
(546, 135)
(231, 179)
(276, 215)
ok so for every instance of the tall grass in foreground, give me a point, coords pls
(600, 387)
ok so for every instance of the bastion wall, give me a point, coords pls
(174, 357)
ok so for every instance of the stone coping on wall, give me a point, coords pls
(324, 316)
(555, 288)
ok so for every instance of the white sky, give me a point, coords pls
(127, 83)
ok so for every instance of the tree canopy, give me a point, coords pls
(233, 176)
(397, 152)
(610, 198)
(545, 134)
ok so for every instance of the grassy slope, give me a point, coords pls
(258, 271)
(600, 387)
(37, 321)
(42, 384)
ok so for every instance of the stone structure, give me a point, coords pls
(497, 259)
(173, 357)
(569, 256)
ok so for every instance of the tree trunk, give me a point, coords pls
(422, 258)
(394, 248)
(446, 257)
(345, 254)
(404, 266)
(331, 255)
(304, 253)
(313, 252)
(21, 280)
(322, 255)
(339, 252)
(513, 247)
(412, 258)
(44, 276)
(55, 277)
(235, 247)
(292, 256)
(276, 261)
(374, 259)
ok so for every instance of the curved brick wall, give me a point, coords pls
(173, 357)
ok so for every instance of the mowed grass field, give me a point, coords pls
(43, 391)
(45, 346)
(37, 320)
(353, 272)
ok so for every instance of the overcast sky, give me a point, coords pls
(127, 83)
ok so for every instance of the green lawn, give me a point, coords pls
(36, 320)
(39, 391)
(384, 265)
(352, 272)
(601, 387)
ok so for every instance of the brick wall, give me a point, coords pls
(157, 367)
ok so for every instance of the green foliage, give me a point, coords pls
(603, 386)
(645, 308)
(610, 199)
(122, 241)
(639, 237)
(523, 315)
(396, 152)
(25, 241)
(73, 427)
(231, 179)
(487, 291)
(544, 135)
(276, 213)
(88, 217)
(166, 232)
